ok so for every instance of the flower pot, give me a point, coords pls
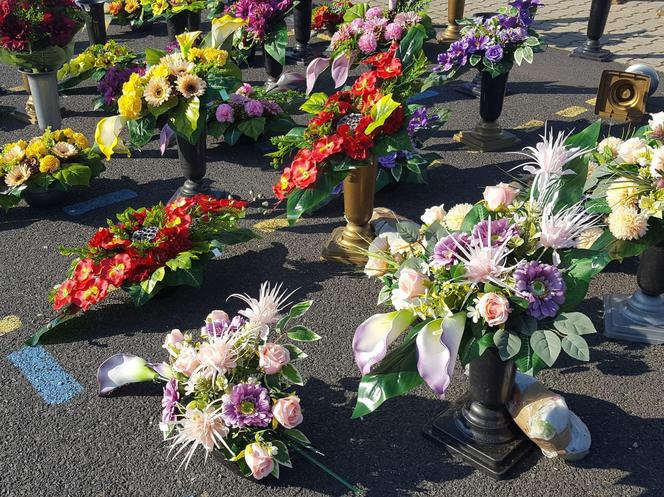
(348, 243)
(45, 98)
(488, 136)
(43, 198)
(302, 28)
(454, 12)
(194, 21)
(176, 25)
(272, 67)
(478, 428)
(96, 23)
(192, 162)
(592, 49)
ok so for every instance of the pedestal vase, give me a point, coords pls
(192, 162)
(452, 30)
(592, 49)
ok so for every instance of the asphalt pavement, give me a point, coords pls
(111, 447)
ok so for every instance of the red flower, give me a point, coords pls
(357, 144)
(115, 270)
(303, 169)
(326, 146)
(390, 70)
(90, 293)
(84, 270)
(379, 60)
(285, 185)
(365, 84)
(322, 118)
(63, 295)
(394, 122)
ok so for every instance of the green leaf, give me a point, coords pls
(381, 111)
(508, 344)
(296, 353)
(528, 54)
(356, 11)
(546, 345)
(252, 127)
(475, 347)
(410, 45)
(48, 327)
(186, 121)
(155, 278)
(292, 374)
(574, 323)
(276, 40)
(582, 266)
(532, 41)
(314, 104)
(408, 230)
(301, 333)
(575, 346)
(232, 135)
(163, 108)
(518, 56)
(153, 56)
(476, 214)
(282, 456)
(141, 130)
(307, 201)
(74, 175)
(300, 309)
(297, 435)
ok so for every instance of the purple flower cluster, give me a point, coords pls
(543, 286)
(390, 160)
(259, 14)
(169, 401)
(110, 86)
(446, 250)
(491, 38)
(420, 120)
(372, 30)
(248, 404)
(241, 107)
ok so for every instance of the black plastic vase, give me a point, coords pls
(192, 162)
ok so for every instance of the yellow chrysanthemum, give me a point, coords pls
(622, 193)
(134, 84)
(158, 71)
(36, 148)
(80, 140)
(215, 56)
(456, 215)
(22, 143)
(627, 223)
(49, 164)
(130, 105)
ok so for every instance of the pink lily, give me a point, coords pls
(314, 69)
(340, 67)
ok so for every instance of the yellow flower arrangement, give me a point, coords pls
(36, 148)
(96, 57)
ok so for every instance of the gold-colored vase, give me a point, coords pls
(349, 243)
(454, 12)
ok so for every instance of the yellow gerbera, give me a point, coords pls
(49, 164)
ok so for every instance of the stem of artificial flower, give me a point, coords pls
(312, 460)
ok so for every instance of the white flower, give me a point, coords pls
(622, 192)
(586, 239)
(217, 356)
(560, 229)
(265, 310)
(198, 428)
(433, 214)
(657, 125)
(630, 150)
(657, 162)
(473, 312)
(376, 265)
(627, 223)
(609, 144)
(456, 215)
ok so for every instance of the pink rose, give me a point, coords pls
(411, 283)
(500, 196)
(494, 308)
(288, 412)
(272, 357)
(259, 459)
(173, 342)
(187, 361)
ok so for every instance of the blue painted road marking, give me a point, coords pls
(425, 95)
(46, 376)
(98, 202)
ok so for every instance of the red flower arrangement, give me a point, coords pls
(30, 29)
(327, 17)
(147, 250)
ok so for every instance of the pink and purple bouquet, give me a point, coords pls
(505, 273)
(492, 44)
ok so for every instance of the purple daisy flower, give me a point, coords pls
(476, 43)
(543, 286)
(169, 401)
(248, 404)
(420, 120)
(446, 250)
(501, 230)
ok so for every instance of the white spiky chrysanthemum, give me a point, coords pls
(265, 310)
(198, 428)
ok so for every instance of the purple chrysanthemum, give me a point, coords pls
(272, 108)
(110, 86)
(248, 404)
(543, 286)
(446, 250)
(224, 114)
(169, 401)
(501, 230)
(253, 108)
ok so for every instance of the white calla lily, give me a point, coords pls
(123, 369)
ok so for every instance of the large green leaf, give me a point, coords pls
(508, 344)
(356, 11)
(48, 327)
(395, 375)
(474, 216)
(153, 56)
(582, 266)
(187, 119)
(381, 111)
(307, 201)
(314, 104)
(300, 309)
(546, 345)
(252, 127)
(574, 323)
(302, 334)
(292, 374)
(74, 175)
(141, 130)
(410, 45)
(575, 346)
(276, 40)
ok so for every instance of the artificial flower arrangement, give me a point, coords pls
(230, 389)
(168, 8)
(328, 15)
(627, 186)
(251, 112)
(59, 159)
(129, 12)
(264, 23)
(110, 86)
(365, 32)
(94, 62)
(145, 251)
(175, 90)
(493, 44)
(37, 36)
(507, 272)
(352, 128)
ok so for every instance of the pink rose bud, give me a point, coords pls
(187, 361)
(412, 283)
(500, 196)
(288, 412)
(659, 183)
(259, 459)
(494, 308)
(272, 357)
(173, 342)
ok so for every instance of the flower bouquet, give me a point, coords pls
(251, 112)
(230, 390)
(147, 250)
(37, 36)
(129, 12)
(354, 128)
(175, 90)
(327, 16)
(506, 273)
(627, 186)
(365, 32)
(492, 45)
(169, 8)
(110, 86)
(94, 62)
(53, 162)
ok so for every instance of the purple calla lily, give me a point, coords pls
(123, 369)
(437, 347)
(165, 138)
(340, 67)
(314, 69)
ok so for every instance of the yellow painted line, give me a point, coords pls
(16, 88)
(533, 124)
(9, 323)
(324, 37)
(573, 111)
(270, 225)
(592, 101)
